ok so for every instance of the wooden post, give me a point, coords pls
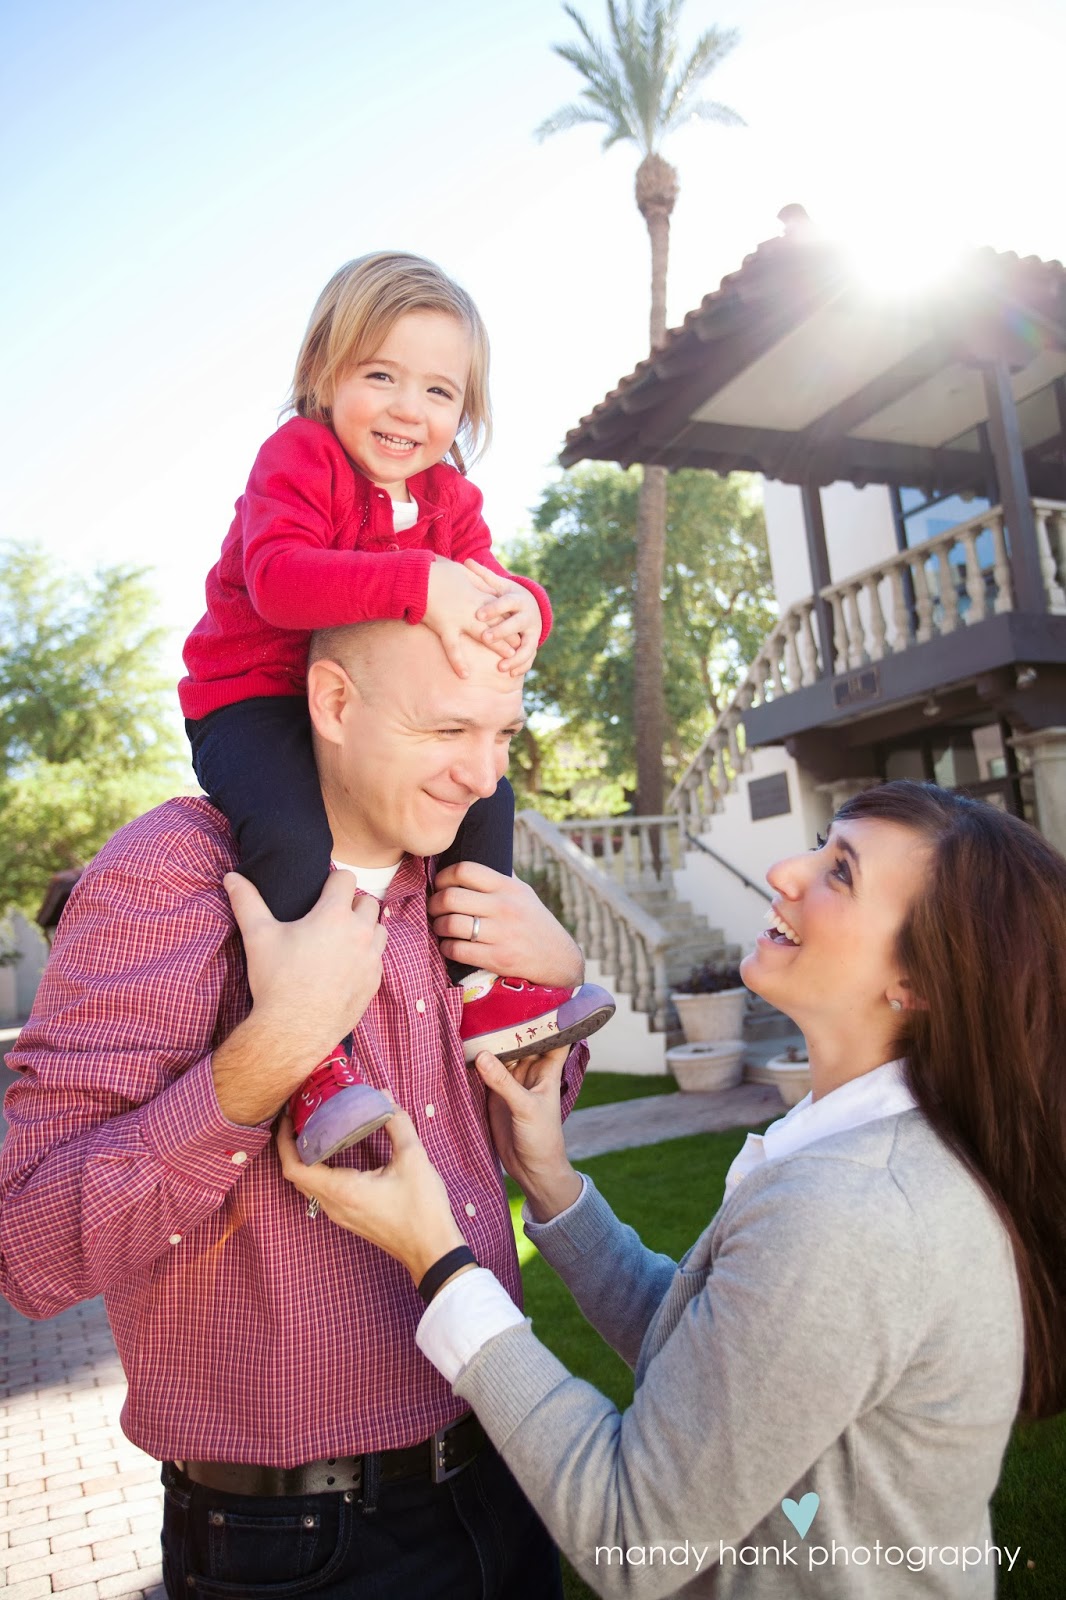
(1005, 438)
(818, 560)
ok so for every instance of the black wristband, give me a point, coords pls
(461, 1256)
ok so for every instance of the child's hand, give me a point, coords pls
(453, 597)
(513, 620)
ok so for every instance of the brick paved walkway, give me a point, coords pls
(81, 1507)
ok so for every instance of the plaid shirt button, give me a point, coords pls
(238, 1157)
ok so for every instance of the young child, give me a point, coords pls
(351, 513)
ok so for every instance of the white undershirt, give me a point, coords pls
(372, 880)
(404, 514)
(474, 1307)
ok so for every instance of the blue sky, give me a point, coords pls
(179, 182)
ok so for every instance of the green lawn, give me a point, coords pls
(607, 1088)
(668, 1192)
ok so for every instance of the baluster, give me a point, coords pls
(627, 982)
(975, 578)
(775, 667)
(611, 940)
(853, 626)
(581, 913)
(923, 602)
(949, 597)
(724, 784)
(708, 792)
(643, 994)
(792, 662)
(647, 866)
(1001, 567)
(735, 754)
(877, 617)
(840, 632)
(567, 894)
(662, 993)
(759, 675)
(672, 853)
(901, 622)
(522, 852)
(596, 946)
(808, 648)
(1052, 588)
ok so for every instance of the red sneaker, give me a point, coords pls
(335, 1107)
(513, 1018)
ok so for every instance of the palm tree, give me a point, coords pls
(635, 87)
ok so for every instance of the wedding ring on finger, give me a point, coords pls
(475, 929)
(312, 1207)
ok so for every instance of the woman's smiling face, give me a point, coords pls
(829, 952)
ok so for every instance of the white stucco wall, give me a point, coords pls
(626, 1044)
(18, 983)
(858, 531)
(750, 847)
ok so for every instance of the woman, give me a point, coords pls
(828, 1379)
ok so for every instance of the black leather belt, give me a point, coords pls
(436, 1460)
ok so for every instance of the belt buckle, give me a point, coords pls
(441, 1471)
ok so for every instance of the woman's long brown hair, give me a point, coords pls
(985, 949)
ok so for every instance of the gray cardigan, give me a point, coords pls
(849, 1326)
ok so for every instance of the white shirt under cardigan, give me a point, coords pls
(475, 1306)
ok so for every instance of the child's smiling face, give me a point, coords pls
(398, 413)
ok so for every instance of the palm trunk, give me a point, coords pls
(656, 192)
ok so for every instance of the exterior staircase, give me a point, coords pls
(612, 882)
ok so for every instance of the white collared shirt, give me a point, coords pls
(880, 1093)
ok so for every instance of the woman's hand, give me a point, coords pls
(527, 1129)
(403, 1207)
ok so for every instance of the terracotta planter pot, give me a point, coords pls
(707, 1066)
(710, 1017)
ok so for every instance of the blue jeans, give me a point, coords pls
(474, 1537)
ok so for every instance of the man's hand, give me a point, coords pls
(517, 937)
(512, 618)
(403, 1207)
(311, 981)
(527, 1128)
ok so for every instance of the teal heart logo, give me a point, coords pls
(801, 1515)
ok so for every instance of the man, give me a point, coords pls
(307, 1445)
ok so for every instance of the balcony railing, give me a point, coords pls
(957, 578)
(630, 850)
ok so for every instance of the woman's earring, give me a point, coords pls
(896, 1005)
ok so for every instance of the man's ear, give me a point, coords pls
(329, 690)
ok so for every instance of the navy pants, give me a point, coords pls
(474, 1537)
(255, 762)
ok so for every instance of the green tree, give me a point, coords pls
(85, 740)
(640, 88)
(717, 609)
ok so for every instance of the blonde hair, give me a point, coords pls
(354, 313)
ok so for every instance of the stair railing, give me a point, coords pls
(610, 927)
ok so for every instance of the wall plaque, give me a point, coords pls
(768, 797)
(857, 686)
